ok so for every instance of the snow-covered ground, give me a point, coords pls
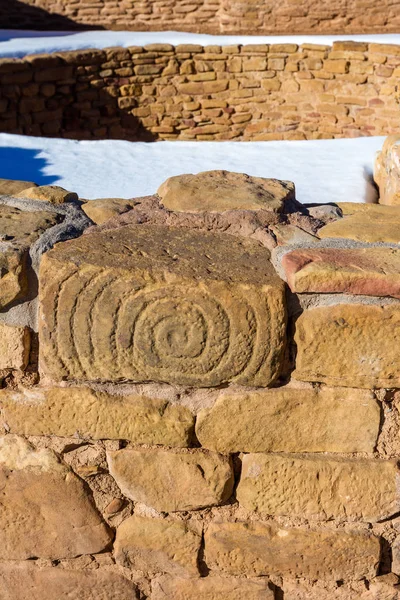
(19, 43)
(323, 170)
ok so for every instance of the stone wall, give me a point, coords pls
(207, 16)
(200, 395)
(280, 91)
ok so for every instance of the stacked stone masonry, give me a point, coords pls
(206, 16)
(191, 92)
(199, 393)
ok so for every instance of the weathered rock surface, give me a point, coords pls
(364, 227)
(319, 487)
(291, 420)
(217, 191)
(210, 588)
(71, 411)
(366, 336)
(48, 193)
(255, 549)
(158, 546)
(22, 581)
(13, 274)
(10, 187)
(14, 347)
(378, 211)
(171, 481)
(368, 271)
(149, 303)
(21, 228)
(387, 171)
(46, 510)
(103, 209)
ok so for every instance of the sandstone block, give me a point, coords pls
(336, 66)
(217, 191)
(368, 271)
(94, 415)
(22, 581)
(255, 549)
(49, 193)
(158, 546)
(23, 228)
(319, 487)
(387, 172)
(147, 302)
(363, 228)
(210, 588)
(169, 481)
(10, 187)
(291, 420)
(14, 346)
(379, 212)
(100, 211)
(330, 348)
(46, 510)
(13, 275)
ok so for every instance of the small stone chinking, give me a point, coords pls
(200, 393)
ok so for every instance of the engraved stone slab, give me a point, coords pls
(153, 303)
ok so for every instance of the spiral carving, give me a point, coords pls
(114, 325)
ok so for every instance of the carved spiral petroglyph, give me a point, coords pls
(108, 327)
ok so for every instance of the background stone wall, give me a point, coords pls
(254, 92)
(207, 406)
(207, 16)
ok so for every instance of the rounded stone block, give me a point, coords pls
(172, 481)
(216, 191)
(153, 303)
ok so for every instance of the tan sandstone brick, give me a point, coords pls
(330, 348)
(255, 549)
(169, 310)
(291, 419)
(210, 588)
(96, 415)
(24, 581)
(158, 546)
(171, 481)
(46, 510)
(319, 487)
(14, 344)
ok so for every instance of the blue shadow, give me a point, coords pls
(25, 165)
